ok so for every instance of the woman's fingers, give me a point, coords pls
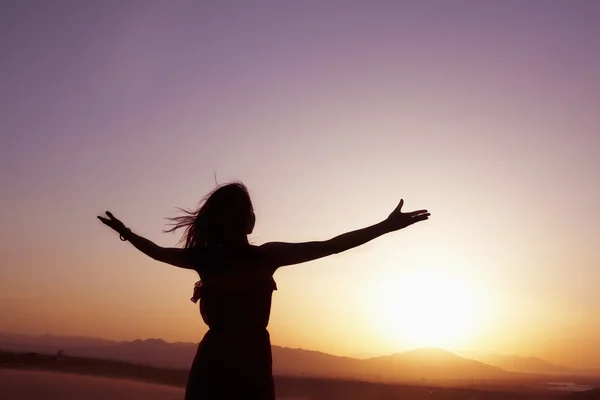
(421, 217)
(114, 219)
(112, 223)
(413, 213)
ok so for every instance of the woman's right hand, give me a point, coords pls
(114, 223)
(399, 220)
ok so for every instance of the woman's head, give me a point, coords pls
(225, 216)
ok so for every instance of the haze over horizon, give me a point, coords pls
(330, 112)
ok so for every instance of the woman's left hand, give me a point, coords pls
(399, 220)
(114, 223)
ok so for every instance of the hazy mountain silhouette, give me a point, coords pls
(422, 364)
(28, 342)
(530, 365)
(435, 364)
(299, 362)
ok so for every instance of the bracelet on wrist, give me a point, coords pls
(122, 236)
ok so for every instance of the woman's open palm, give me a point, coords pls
(113, 222)
(398, 220)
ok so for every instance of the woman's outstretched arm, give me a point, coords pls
(174, 256)
(281, 254)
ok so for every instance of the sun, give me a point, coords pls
(426, 308)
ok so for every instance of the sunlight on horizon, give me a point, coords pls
(483, 113)
(429, 307)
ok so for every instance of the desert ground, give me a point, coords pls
(29, 385)
(33, 385)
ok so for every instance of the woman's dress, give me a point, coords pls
(233, 360)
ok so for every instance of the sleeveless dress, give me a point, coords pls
(233, 360)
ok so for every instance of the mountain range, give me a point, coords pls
(428, 364)
(533, 365)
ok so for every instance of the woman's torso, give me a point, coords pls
(236, 289)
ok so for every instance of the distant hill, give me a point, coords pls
(422, 364)
(50, 342)
(149, 352)
(436, 364)
(529, 365)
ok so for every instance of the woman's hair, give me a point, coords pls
(221, 216)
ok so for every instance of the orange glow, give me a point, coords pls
(487, 116)
(428, 307)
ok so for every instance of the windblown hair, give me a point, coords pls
(220, 216)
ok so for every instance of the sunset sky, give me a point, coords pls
(485, 113)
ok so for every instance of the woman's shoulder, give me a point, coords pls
(222, 259)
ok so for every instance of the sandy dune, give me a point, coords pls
(33, 385)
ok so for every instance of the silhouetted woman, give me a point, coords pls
(233, 360)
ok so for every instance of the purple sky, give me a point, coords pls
(486, 113)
